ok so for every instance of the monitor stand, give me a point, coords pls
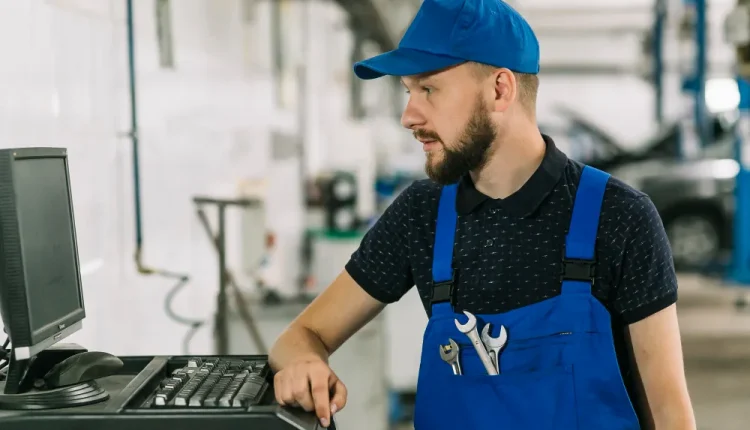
(24, 389)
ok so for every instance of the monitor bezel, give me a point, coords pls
(25, 342)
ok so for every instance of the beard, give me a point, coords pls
(471, 152)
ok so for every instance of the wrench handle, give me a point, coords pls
(495, 359)
(482, 353)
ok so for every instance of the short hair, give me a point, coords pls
(528, 84)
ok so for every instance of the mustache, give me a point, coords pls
(426, 135)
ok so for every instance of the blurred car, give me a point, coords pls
(694, 197)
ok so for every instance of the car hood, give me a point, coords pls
(635, 174)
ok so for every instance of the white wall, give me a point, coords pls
(204, 127)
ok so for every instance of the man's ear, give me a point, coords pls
(505, 89)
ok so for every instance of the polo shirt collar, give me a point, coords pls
(527, 199)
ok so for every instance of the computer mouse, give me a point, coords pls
(82, 367)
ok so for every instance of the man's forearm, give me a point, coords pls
(296, 343)
(679, 417)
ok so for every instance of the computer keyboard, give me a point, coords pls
(181, 392)
(212, 383)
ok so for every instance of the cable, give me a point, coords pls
(5, 354)
(195, 325)
(4, 351)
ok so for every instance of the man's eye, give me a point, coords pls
(428, 90)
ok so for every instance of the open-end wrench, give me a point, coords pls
(470, 330)
(449, 354)
(494, 344)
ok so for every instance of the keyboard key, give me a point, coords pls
(184, 395)
(203, 391)
(213, 397)
(259, 366)
(163, 396)
(211, 382)
(226, 399)
(249, 393)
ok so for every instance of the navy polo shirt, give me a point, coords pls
(508, 252)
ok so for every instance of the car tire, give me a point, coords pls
(695, 239)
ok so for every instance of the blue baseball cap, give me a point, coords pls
(450, 32)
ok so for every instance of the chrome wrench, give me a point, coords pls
(470, 330)
(494, 344)
(449, 354)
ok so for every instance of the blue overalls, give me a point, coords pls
(558, 370)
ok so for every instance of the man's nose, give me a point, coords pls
(412, 117)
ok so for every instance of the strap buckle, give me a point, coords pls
(578, 270)
(443, 292)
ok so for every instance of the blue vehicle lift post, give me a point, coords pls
(695, 133)
(740, 271)
(740, 37)
(657, 49)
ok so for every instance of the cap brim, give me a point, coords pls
(403, 62)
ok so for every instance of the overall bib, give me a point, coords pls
(558, 370)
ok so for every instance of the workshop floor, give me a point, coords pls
(716, 342)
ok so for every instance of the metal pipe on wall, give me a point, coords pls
(181, 278)
(133, 133)
(695, 130)
(277, 51)
(660, 17)
(700, 111)
(164, 33)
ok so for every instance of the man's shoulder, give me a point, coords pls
(624, 207)
(618, 195)
(422, 194)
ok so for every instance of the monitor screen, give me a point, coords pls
(48, 240)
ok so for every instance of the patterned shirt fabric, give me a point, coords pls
(508, 253)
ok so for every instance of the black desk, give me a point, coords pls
(139, 377)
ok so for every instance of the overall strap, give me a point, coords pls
(579, 262)
(442, 253)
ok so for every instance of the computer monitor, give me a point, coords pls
(41, 298)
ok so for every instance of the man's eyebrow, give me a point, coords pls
(418, 79)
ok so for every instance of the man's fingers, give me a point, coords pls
(314, 387)
(302, 395)
(338, 400)
(321, 398)
(281, 390)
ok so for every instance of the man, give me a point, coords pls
(567, 266)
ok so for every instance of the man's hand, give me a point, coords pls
(299, 356)
(312, 385)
